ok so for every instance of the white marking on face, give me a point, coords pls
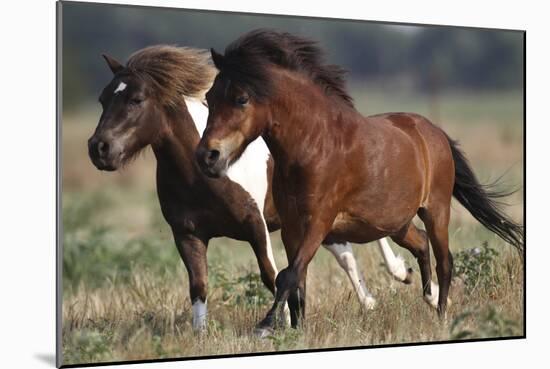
(199, 315)
(120, 87)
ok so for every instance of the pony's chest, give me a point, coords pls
(202, 217)
(179, 208)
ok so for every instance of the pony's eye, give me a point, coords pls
(135, 101)
(242, 100)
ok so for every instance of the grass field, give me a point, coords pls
(125, 291)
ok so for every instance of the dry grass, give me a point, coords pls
(149, 315)
(125, 290)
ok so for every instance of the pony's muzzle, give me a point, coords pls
(211, 157)
(103, 148)
(210, 161)
(101, 153)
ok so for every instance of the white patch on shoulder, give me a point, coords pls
(250, 171)
(199, 113)
(121, 87)
(199, 315)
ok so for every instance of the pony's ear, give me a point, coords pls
(217, 58)
(113, 64)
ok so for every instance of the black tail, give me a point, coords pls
(480, 201)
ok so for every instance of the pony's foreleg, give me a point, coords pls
(395, 264)
(193, 253)
(271, 260)
(291, 279)
(343, 253)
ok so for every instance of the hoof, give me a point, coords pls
(369, 303)
(263, 332)
(286, 313)
(442, 317)
(409, 278)
(200, 332)
(433, 299)
(400, 272)
(200, 329)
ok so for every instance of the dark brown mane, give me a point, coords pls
(246, 60)
(175, 71)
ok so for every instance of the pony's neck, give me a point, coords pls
(175, 151)
(303, 119)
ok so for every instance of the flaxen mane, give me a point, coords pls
(175, 71)
(246, 60)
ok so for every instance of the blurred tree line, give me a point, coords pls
(422, 57)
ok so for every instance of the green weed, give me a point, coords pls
(246, 290)
(490, 323)
(476, 267)
(285, 339)
(87, 346)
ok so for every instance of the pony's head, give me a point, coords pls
(126, 124)
(236, 118)
(244, 95)
(138, 98)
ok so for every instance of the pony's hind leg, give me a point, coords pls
(437, 223)
(395, 264)
(343, 253)
(416, 241)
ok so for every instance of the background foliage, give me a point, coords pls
(425, 58)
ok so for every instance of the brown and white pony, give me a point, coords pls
(157, 99)
(338, 177)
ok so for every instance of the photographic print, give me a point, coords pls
(239, 184)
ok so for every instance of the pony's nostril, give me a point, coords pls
(102, 148)
(212, 157)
